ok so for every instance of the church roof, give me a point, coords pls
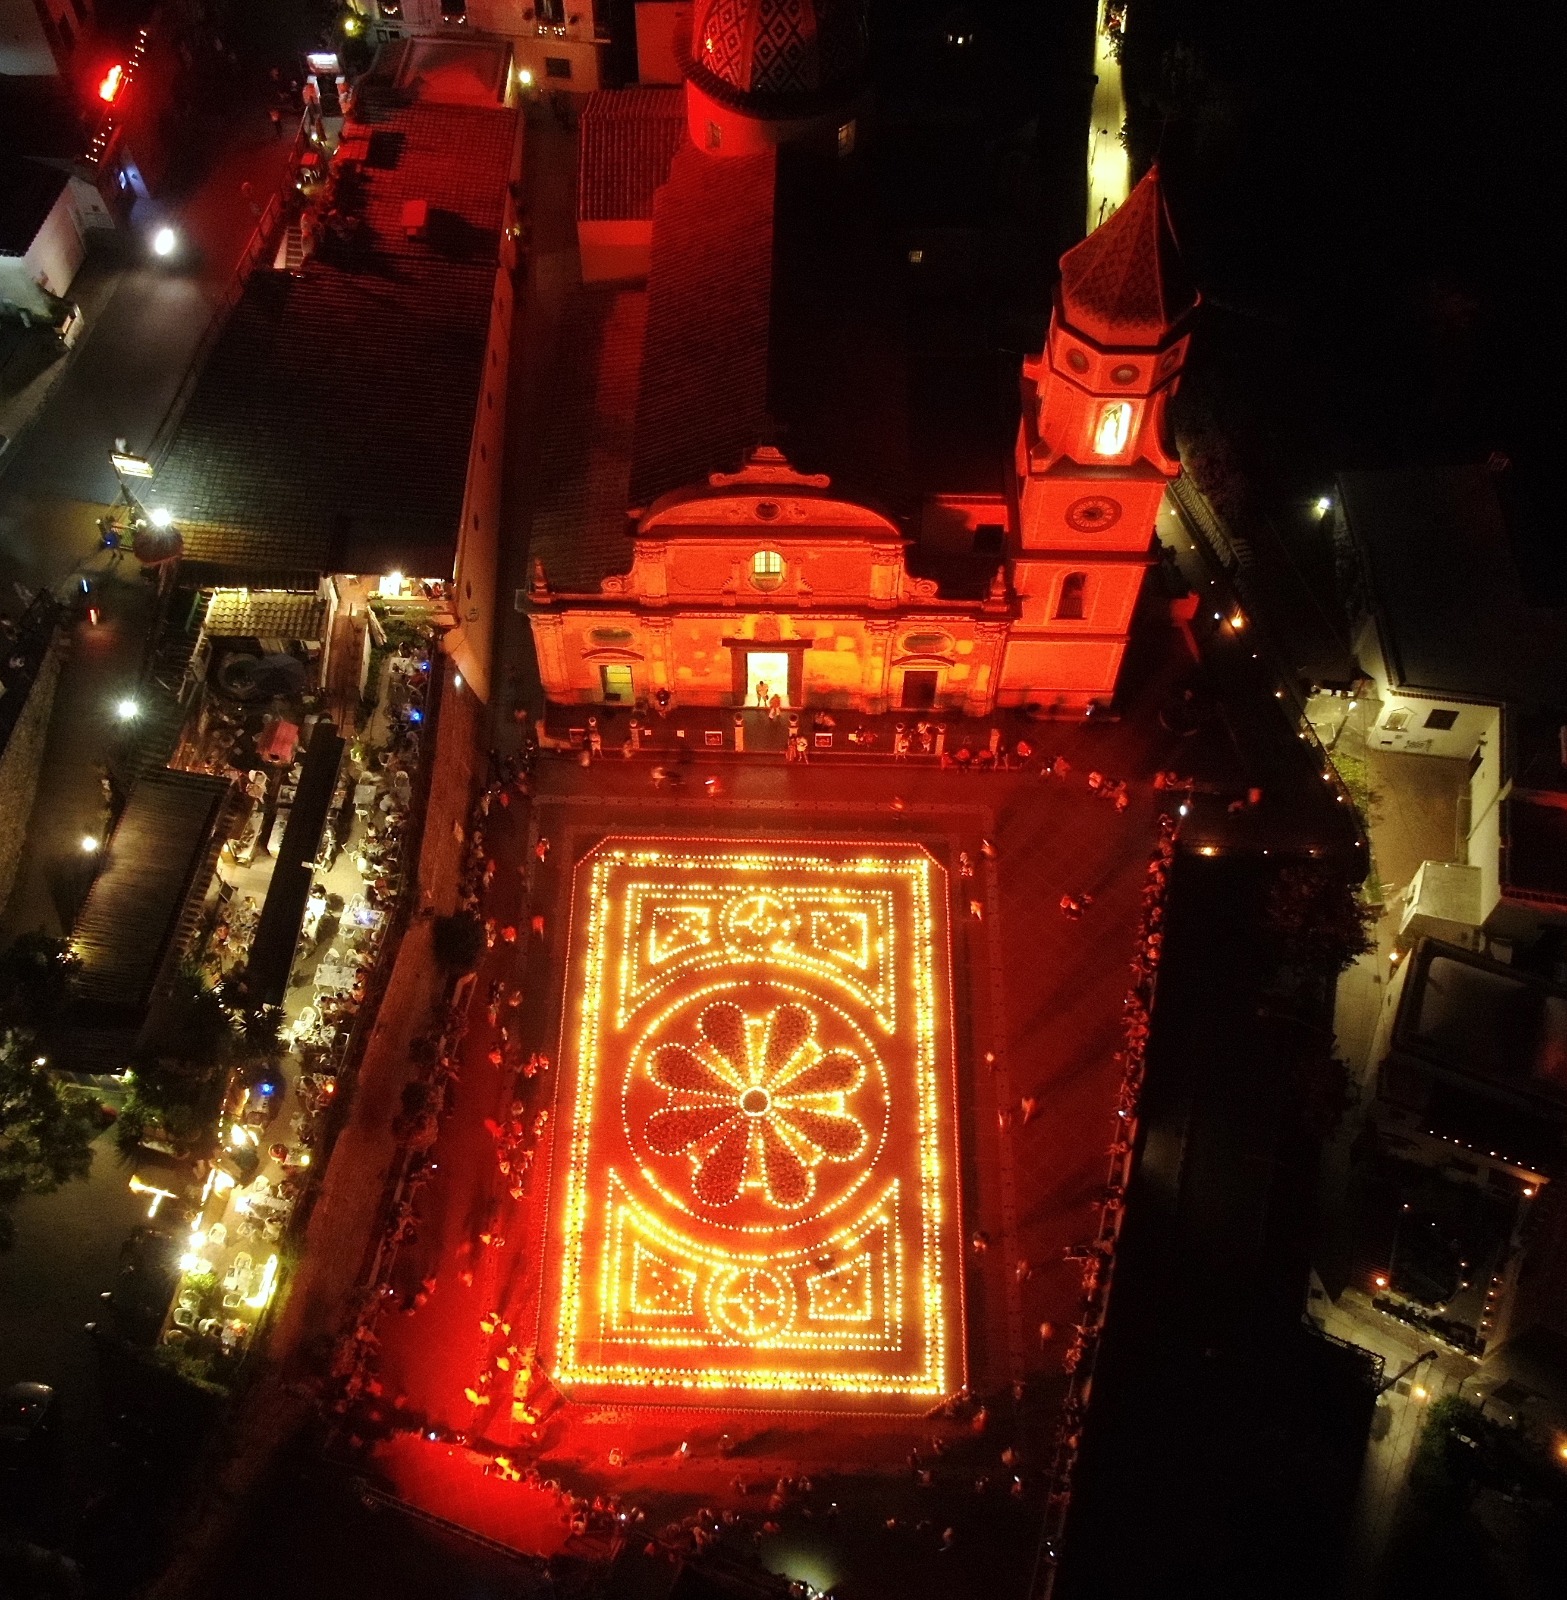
(1126, 284)
(626, 140)
(778, 49)
(582, 488)
(704, 398)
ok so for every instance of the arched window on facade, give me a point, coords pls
(1069, 603)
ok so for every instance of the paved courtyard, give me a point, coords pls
(480, 1383)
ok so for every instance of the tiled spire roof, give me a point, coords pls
(777, 48)
(1126, 284)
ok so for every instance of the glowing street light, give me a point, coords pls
(160, 516)
(1324, 504)
(164, 241)
(128, 709)
(90, 844)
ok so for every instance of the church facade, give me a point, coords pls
(740, 570)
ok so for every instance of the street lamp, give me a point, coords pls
(164, 241)
(128, 709)
(1385, 1281)
(160, 516)
(89, 844)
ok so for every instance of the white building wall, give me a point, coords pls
(57, 250)
(570, 59)
(88, 208)
(477, 566)
(24, 46)
(1412, 723)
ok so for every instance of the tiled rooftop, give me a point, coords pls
(626, 140)
(266, 614)
(330, 429)
(703, 399)
(1126, 282)
(780, 306)
(583, 487)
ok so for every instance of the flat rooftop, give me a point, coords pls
(1484, 1022)
(1455, 611)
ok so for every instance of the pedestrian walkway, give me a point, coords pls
(31, 374)
(117, 382)
(1109, 165)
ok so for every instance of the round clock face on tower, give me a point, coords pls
(1094, 513)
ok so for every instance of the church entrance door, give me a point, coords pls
(919, 691)
(770, 668)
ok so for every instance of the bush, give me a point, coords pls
(1317, 919)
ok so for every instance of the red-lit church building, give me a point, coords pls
(757, 474)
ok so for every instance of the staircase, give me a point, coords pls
(291, 249)
(155, 734)
(1234, 552)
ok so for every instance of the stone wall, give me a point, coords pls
(21, 761)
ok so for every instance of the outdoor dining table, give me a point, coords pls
(337, 976)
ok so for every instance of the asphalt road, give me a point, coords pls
(122, 376)
(118, 382)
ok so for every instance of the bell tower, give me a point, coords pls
(1094, 452)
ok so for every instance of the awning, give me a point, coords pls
(277, 931)
(144, 905)
(266, 614)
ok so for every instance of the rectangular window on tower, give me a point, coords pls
(1113, 428)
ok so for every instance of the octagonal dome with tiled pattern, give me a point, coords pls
(783, 49)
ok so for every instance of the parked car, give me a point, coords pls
(28, 1415)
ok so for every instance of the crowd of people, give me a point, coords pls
(1097, 1256)
(509, 1385)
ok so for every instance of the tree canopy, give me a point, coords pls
(1317, 919)
(45, 1135)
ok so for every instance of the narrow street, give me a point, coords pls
(117, 382)
(1109, 167)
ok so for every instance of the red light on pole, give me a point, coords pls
(113, 81)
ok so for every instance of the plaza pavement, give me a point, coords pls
(1039, 993)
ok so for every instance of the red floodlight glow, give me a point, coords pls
(113, 82)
